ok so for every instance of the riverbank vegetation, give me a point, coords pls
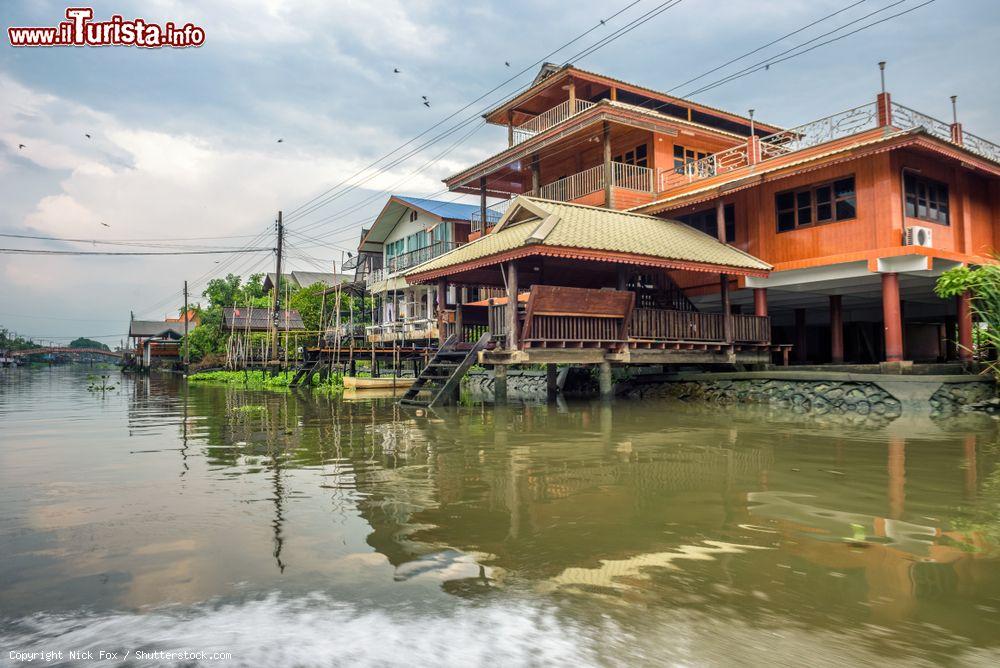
(263, 380)
(983, 283)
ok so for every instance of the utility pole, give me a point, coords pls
(187, 343)
(276, 299)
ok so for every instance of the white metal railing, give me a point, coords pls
(575, 186)
(494, 213)
(631, 177)
(710, 165)
(905, 118)
(837, 126)
(985, 148)
(550, 118)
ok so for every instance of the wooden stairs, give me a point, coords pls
(304, 372)
(439, 380)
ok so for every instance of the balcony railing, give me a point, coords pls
(629, 177)
(550, 118)
(415, 257)
(494, 213)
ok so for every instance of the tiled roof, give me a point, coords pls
(563, 225)
(156, 328)
(259, 319)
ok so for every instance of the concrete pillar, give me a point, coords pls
(720, 221)
(551, 381)
(500, 384)
(604, 383)
(883, 105)
(964, 327)
(727, 308)
(442, 304)
(801, 354)
(760, 302)
(892, 318)
(836, 329)
(608, 175)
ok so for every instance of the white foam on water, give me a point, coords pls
(317, 631)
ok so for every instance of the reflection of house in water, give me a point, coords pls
(901, 562)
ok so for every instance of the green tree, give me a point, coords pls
(309, 303)
(83, 342)
(983, 283)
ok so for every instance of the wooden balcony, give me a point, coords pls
(548, 119)
(558, 317)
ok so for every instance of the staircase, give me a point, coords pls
(439, 380)
(304, 372)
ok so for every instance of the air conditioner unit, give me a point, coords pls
(919, 236)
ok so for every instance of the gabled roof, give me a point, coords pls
(259, 319)
(395, 209)
(156, 328)
(545, 227)
(303, 279)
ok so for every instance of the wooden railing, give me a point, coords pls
(667, 325)
(751, 328)
(550, 118)
(575, 328)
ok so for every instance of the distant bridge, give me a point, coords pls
(64, 351)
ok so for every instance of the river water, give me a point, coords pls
(297, 529)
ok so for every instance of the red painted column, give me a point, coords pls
(883, 105)
(892, 317)
(836, 329)
(964, 327)
(760, 302)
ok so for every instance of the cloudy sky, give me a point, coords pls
(183, 143)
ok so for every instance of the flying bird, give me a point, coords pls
(507, 63)
(427, 104)
(105, 225)
(424, 96)
(20, 146)
(86, 135)
(395, 70)
(280, 140)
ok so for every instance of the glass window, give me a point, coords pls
(925, 199)
(821, 203)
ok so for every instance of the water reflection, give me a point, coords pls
(165, 494)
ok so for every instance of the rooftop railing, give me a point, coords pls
(550, 118)
(815, 133)
(494, 213)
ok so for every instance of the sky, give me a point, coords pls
(184, 142)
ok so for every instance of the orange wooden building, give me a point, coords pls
(857, 213)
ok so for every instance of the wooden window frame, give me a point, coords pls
(814, 205)
(630, 157)
(932, 189)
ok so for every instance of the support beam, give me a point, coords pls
(510, 128)
(623, 276)
(442, 303)
(604, 384)
(727, 308)
(892, 318)
(720, 221)
(801, 354)
(964, 302)
(482, 202)
(500, 384)
(551, 381)
(572, 96)
(760, 302)
(836, 329)
(608, 189)
(512, 329)
(536, 175)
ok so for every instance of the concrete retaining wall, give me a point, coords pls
(821, 393)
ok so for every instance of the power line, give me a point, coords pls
(294, 213)
(42, 251)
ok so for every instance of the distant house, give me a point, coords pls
(407, 232)
(191, 316)
(156, 342)
(241, 319)
(305, 279)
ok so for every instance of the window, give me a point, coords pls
(925, 199)
(638, 156)
(684, 156)
(704, 221)
(413, 215)
(824, 203)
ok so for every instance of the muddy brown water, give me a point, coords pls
(298, 529)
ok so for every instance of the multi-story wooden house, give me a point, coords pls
(407, 232)
(856, 214)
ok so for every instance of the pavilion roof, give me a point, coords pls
(545, 227)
